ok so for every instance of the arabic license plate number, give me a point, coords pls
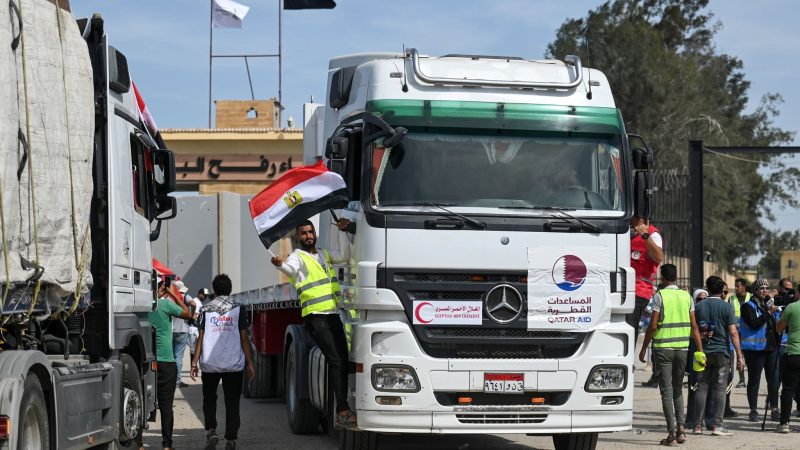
(508, 383)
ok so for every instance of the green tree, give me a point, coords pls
(672, 85)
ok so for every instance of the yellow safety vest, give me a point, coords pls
(674, 325)
(737, 308)
(319, 292)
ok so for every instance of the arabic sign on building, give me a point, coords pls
(448, 312)
(231, 167)
(568, 287)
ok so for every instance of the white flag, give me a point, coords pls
(228, 14)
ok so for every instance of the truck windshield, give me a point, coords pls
(499, 155)
(474, 170)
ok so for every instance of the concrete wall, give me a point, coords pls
(214, 234)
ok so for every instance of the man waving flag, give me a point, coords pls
(299, 194)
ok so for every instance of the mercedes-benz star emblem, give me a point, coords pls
(503, 303)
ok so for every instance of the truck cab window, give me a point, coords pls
(142, 177)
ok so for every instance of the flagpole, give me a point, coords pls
(210, 55)
(280, 66)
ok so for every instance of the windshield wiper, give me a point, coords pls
(474, 222)
(592, 228)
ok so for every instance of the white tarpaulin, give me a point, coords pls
(58, 99)
(568, 287)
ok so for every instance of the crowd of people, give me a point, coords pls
(216, 332)
(706, 335)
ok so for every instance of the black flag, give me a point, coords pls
(309, 4)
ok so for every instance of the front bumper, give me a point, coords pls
(393, 342)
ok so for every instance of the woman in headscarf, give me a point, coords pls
(760, 341)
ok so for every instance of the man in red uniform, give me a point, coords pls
(646, 255)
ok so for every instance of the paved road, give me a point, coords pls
(264, 426)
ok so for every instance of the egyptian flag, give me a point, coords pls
(145, 118)
(299, 194)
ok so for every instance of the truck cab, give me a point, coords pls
(77, 346)
(490, 271)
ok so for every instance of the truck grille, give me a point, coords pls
(500, 418)
(490, 339)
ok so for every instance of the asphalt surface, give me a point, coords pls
(264, 426)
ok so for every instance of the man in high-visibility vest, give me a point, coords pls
(741, 297)
(672, 325)
(310, 270)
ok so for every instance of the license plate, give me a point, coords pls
(507, 383)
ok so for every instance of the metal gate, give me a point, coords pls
(671, 215)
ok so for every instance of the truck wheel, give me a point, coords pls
(131, 415)
(259, 386)
(34, 425)
(575, 441)
(303, 417)
(358, 440)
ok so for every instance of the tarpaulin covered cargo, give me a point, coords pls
(46, 147)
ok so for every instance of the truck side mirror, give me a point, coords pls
(398, 136)
(643, 194)
(166, 208)
(642, 158)
(164, 172)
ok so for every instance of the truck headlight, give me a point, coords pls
(607, 379)
(394, 378)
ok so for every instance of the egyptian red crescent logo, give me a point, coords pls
(569, 272)
(417, 311)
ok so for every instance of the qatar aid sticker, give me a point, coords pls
(568, 287)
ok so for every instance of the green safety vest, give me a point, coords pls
(674, 326)
(319, 292)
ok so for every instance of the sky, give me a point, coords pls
(167, 46)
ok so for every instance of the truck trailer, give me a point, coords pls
(489, 274)
(84, 187)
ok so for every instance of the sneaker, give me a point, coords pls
(230, 445)
(741, 384)
(697, 429)
(776, 415)
(211, 440)
(721, 431)
(183, 385)
(753, 416)
(783, 428)
(730, 413)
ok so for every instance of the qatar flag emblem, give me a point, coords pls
(569, 273)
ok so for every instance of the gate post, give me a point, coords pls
(696, 209)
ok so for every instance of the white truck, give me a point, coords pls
(81, 181)
(489, 275)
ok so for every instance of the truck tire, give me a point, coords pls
(303, 417)
(129, 412)
(261, 386)
(575, 441)
(358, 440)
(34, 424)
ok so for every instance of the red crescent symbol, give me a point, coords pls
(416, 312)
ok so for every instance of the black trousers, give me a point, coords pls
(232, 389)
(759, 361)
(166, 380)
(634, 317)
(328, 331)
(790, 377)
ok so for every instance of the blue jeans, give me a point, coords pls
(179, 341)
